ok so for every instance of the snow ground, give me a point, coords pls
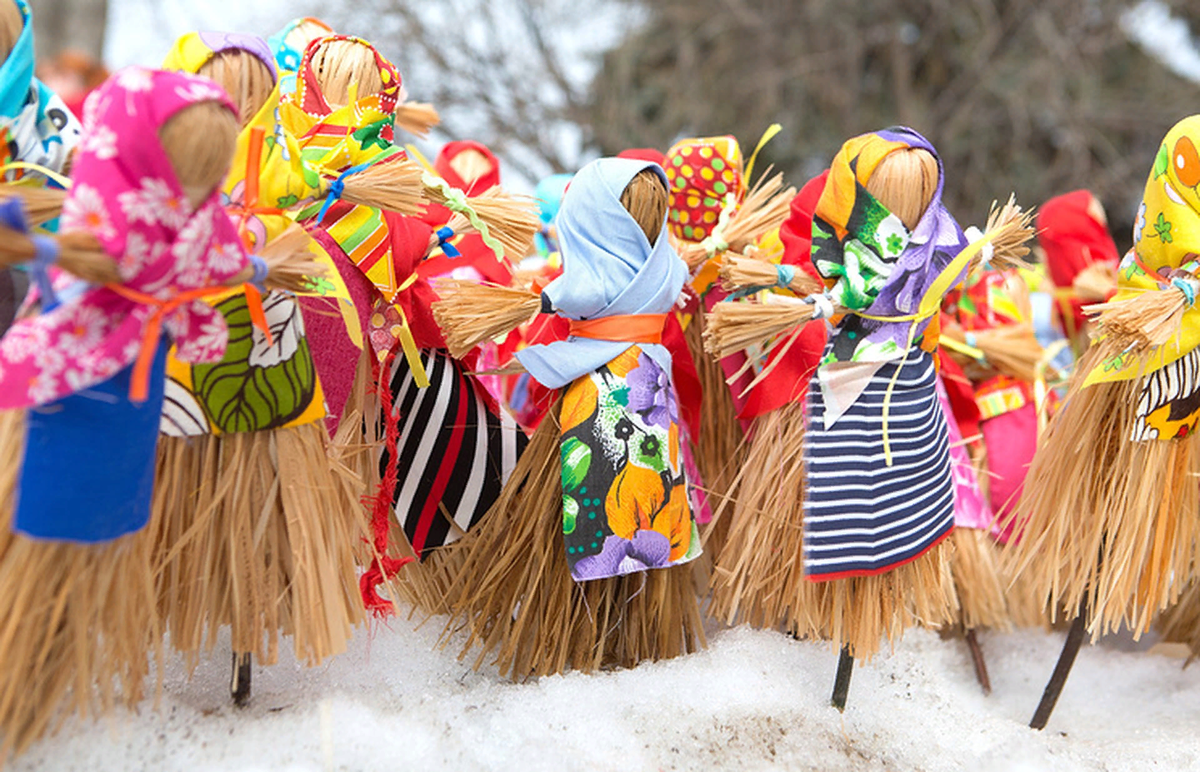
(753, 700)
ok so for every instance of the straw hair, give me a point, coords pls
(645, 198)
(511, 219)
(979, 581)
(1181, 622)
(257, 531)
(79, 626)
(40, 204)
(12, 23)
(339, 64)
(1144, 321)
(417, 118)
(765, 208)
(470, 165)
(393, 185)
(200, 140)
(518, 605)
(1095, 282)
(759, 574)
(1011, 349)
(470, 313)
(1105, 517)
(310, 29)
(742, 272)
(904, 182)
(244, 77)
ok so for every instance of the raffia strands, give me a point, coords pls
(736, 326)
(1147, 320)
(1010, 244)
(863, 611)
(471, 313)
(358, 442)
(79, 254)
(1096, 282)
(1105, 516)
(1012, 349)
(79, 625)
(425, 585)
(1181, 622)
(40, 204)
(721, 447)
(519, 606)
(765, 207)
(512, 219)
(290, 264)
(417, 118)
(978, 580)
(759, 574)
(266, 544)
(739, 272)
(393, 186)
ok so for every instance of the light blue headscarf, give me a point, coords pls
(609, 269)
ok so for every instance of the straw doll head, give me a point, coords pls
(469, 166)
(288, 45)
(240, 64)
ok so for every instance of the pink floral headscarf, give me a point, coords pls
(125, 192)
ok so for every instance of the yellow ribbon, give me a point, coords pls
(50, 174)
(767, 136)
(962, 348)
(408, 342)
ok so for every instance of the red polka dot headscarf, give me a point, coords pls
(705, 175)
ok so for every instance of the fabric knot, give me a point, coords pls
(337, 188)
(444, 234)
(45, 254)
(784, 275)
(260, 271)
(1188, 287)
(716, 243)
(823, 306)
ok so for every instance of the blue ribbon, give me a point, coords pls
(260, 272)
(444, 234)
(337, 187)
(785, 274)
(1186, 288)
(45, 250)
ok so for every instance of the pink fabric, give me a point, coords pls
(1011, 440)
(970, 509)
(126, 194)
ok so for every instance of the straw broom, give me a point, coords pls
(471, 313)
(393, 185)
(40, 204)
(1096, 282)
(1145, 321)
(1012, 349)
(765, 207)
(511, 219)
(417, 118)
(744, 272)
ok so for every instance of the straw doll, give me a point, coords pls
(288, 46)
(878, 490)
(1107, 521)
(37, 131)
(712, 210)
(248, 497)
(82, 384)
(581, 562)
(446, 446)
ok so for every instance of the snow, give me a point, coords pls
(752, 700)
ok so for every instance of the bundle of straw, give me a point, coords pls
(741, 272)
(417, 118)
(390, 185)
(79, 253)
(290, 265)
(470, 313)
(737, 326)
(1010, 228)
(766, 206)
(41, 204)
(1145, 321)
(1096, 282)
(511, 219)
(1012, 349)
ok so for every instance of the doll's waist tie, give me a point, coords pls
(622, 328)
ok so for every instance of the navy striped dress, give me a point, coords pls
(861, 516)
(455, 452)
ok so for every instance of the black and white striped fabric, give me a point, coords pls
(454, 452)
(861, 516)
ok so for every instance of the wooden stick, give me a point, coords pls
(841, 682)
(239, 686)
(981, 672)
(1063, 669)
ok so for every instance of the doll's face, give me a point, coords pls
(200, 141)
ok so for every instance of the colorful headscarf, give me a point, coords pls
(35, 125)
(705, 177)
(195, 49)
(308, 94)
(288, 44)
(1073, 233)
(609, 269)
(1166, 236)
(871, 261)
(127, 195)
(444, 169)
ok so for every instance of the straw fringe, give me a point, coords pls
(759, 575)
(79, 624)
(417, 118)
(1181, 623)
(862, 611)
(734, 327)
(512, 219)
(742, 272)
(1011, 349)
(264, 543)
(765, 207)
(518, 604)
(471, 313)
(978, 581)
(1107, 516)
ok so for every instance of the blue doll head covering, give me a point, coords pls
(610, 268)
